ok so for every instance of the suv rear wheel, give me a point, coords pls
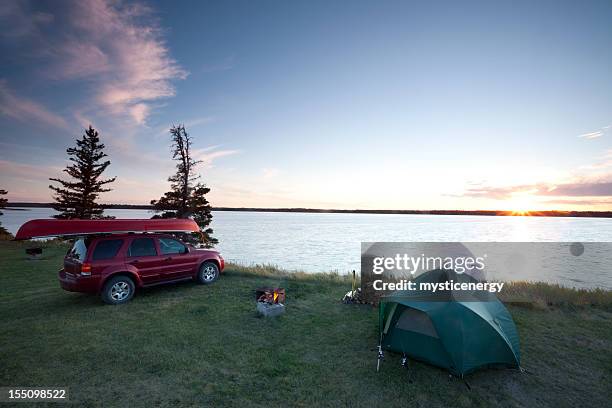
(209, 272)
(117, 290)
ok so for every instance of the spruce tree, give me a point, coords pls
(76, 198)
(187, 197)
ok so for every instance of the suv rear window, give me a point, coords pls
(78, 250)
(107, 249)
(142, 247)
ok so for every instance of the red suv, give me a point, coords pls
(115, 265)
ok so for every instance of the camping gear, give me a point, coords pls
(46, 228)
(354, 295)
(458, 330)
(379, 358)
(34, 253)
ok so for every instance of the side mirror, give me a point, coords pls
(186, 250)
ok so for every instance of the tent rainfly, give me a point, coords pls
(460, 332)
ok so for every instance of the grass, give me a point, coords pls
(542, 295)
(193, 345)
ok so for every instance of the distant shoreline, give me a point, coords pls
(498, 213)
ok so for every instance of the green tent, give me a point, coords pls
(459, 331)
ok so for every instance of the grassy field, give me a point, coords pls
(192, 345)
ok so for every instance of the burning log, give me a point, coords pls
(270, 301)
(270, 295)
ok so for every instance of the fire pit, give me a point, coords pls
(270, 301)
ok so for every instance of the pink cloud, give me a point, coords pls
(580, 202)
(117, 47)
(26, 110)
(22, 22)
(578, 188)
(208, 155)
(81, 59)
(135, 67)
(139, 112)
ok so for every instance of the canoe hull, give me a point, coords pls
(46, 228)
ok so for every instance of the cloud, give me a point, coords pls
(208, 155)
(117, 47)
(84, 120)
(198, 121)
(139, 112)
(223, 65)
(604, 162)
(589, 202)
(165, 130)
(592, 135)
(22, 22)
(29, 172)
(81, 59)
(26, 110)
(137, 66)
(580, 188)
(595, 134)
(270, 172)
(496, 193)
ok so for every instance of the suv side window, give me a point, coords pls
(171, 246)
(142, 247)
(107, 249)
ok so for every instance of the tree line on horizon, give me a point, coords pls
(3, 232)
(77, 196)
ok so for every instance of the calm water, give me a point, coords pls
(331, 242)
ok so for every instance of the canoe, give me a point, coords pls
(47, 228)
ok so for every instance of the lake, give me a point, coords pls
(315, 242)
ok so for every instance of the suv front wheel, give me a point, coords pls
(209, 272)
(117, 290)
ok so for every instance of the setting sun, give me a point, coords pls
(521, 204)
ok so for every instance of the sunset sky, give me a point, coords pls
(330, 104)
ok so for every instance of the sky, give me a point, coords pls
(322, 104)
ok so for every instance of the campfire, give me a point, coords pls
(271, 296)
(270, 301)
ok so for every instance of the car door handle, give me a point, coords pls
(135, 261)
(168, 258)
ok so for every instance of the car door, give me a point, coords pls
(104, 254)
(142, 254)
(178, 261)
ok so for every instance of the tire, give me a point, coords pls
(117, 290)
(208, 273)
